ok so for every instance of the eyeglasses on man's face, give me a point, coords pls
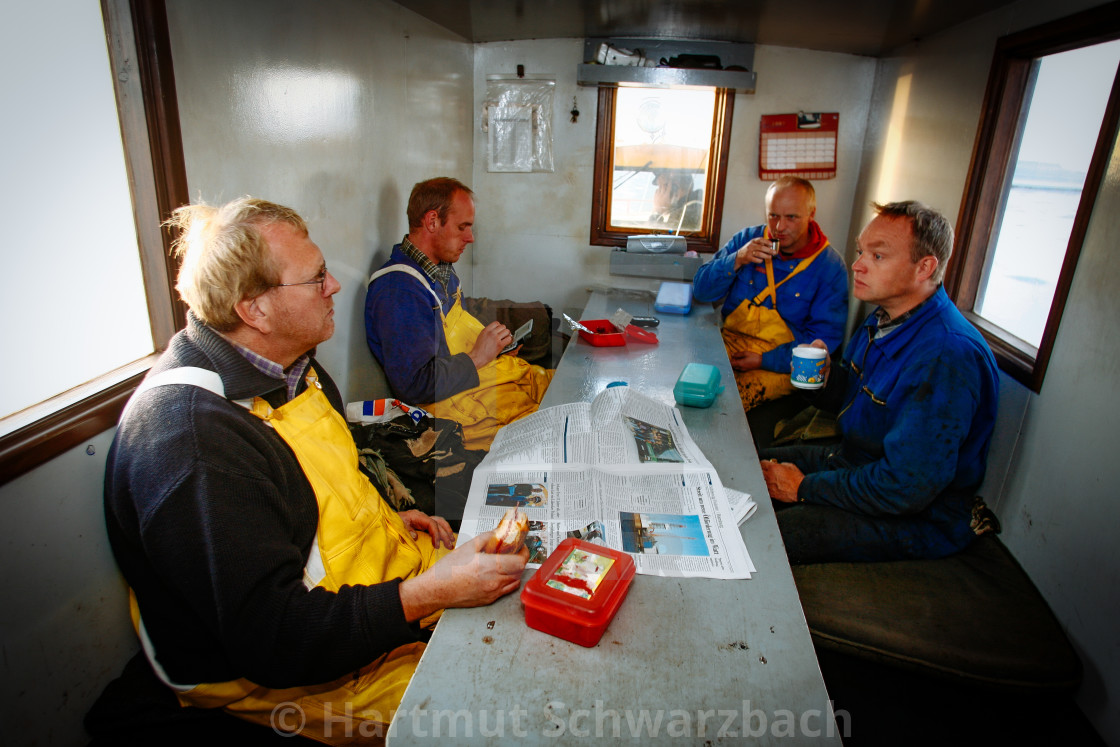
(318, 280)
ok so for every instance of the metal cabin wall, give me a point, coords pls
(335, 108)
(535, 226)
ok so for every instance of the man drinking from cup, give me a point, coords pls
(782, 285)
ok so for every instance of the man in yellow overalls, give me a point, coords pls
(433, 352)
(782, 285)
(267, 576)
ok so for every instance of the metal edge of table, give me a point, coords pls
(706, 659)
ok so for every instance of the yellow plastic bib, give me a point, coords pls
(508, 388)
(754, 328)
(360, 540)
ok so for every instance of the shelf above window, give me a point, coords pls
(739, 56)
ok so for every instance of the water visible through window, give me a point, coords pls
(1056, 146)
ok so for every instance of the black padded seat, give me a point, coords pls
(974, 616)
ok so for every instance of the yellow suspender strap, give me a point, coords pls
(771, 288)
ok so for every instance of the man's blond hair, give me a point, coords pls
(785, 182)
(224, 258)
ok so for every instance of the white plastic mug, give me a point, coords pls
(807, 370)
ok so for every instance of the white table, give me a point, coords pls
(685, 660)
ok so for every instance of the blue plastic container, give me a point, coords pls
(674, 298)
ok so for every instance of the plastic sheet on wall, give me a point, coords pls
(517, 118)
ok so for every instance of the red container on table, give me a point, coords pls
(575, 594)
(603, 333)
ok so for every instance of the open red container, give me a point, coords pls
(575, 594)
(603, 333)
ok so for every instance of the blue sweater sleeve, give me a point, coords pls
(714, 279)
(920, 450)
(405, 334)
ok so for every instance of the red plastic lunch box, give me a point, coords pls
(603, 333)
(575, 594)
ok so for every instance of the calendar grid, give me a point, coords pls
(808, 151)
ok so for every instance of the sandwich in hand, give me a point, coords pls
(510, 533)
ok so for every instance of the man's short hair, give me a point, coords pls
(784, 182)
(933, 235)
(433, 194)
(223, 256)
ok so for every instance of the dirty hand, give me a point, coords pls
(489, 343)
(468, 576)
(436, 526)
(782, 480)
(818, 343)
(746, 361)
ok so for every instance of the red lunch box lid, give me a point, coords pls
(572, 588)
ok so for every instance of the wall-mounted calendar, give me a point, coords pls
(802, 144)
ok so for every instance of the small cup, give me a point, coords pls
(808, 367)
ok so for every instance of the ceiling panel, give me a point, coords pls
(866, 27)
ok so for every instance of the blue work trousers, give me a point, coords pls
(816, 533)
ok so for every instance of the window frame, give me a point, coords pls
(144, 83)
(706, 240)
(1006, 99)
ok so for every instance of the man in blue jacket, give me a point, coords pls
(916, 395)
(782, 285)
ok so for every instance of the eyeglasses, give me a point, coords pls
(317, 280)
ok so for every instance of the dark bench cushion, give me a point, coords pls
(975, 615)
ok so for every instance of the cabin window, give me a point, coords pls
(660, 163)
(102, 282)
(1048, 128)
(92, 172)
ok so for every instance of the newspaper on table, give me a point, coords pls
(620, 471)
(742, 505)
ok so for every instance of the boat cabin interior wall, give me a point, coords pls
(337, 108)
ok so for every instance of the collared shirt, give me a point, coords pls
(884, 325)
(291, 377)
(441, 273)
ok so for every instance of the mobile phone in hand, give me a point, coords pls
(518, 336)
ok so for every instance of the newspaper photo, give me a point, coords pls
(620, 471)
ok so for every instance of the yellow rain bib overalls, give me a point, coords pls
(509, 388)
(360, 540)
(754, 328)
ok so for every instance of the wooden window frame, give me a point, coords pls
(706, 239)
(140, 59)
(1009, 89)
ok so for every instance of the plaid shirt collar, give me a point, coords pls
(441, 273)
(291, 377)
(884, 325)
